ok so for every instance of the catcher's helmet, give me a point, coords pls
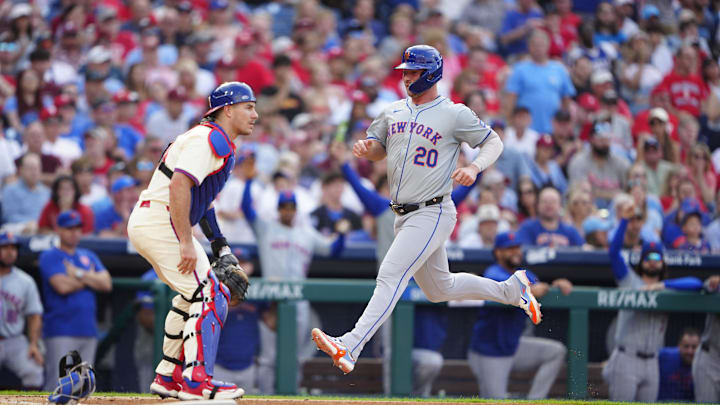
(426, 58)
(229, 93)
(77, 380)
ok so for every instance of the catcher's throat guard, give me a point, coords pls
(76, 382)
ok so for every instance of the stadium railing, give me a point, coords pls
(579, 303)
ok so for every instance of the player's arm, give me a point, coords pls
(617, 263)
(370, 149)
(180, 195)
(461, 192)
(470, 129)
(98, 280)
(371, 200)
(246, 205)
(34, 329)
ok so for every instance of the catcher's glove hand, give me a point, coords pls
(228, 272)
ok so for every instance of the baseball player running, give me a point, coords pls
(706, 364)
(192, 171)
(632, 371)
(421, 138)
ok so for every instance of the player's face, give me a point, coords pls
(8, 255)
(510, 257)
(286, 212)
(687, 347)
(70, 236)
(243, 118)
(410, 76)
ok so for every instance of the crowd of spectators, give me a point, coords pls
(598, 103)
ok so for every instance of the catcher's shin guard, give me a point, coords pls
(203, 334)
(172, 362)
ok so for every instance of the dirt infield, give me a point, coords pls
(123, 400)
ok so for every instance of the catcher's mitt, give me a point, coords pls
(229, 272)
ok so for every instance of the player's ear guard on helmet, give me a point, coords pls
(76, 382)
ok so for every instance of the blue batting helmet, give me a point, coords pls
(423, 57)
(229, 93)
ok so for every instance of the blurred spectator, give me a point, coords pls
(699, 167)
(401, 35)
(580, 72)
(65, 149)
(498, 333)
(111, 220)
(688, 132)
(198, 83)
(565, 140)
(99, 61)
(488, 216)
(24, 107)
(9, 150)
(520, 135)
(626, 13)
(601, 55)
(247, 68)
(607, 26)
(676, 381)
(128, 113)
(497, 184)
(150, 52)
(76, 123)
(674, 222)
(517, 27)
(527, 199)
(638, 75)
(325, 218)
(23, 200)
(656, 167)
(662, 57)
(541, 85)
(579, 208)
(692, 236)
(83, 173)
(511, 163)
(650, 205)
(713, 229)
(65, 196)
(601, 83)
(124, 137)
(19, 305)
(548, 229)
(363, 19)
(171, 120)
(621, 140)
(34, 139)
(544, 170)
(70, 277)
(595, 231)
(683, 89)
(606, 172)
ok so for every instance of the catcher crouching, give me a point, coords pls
(192, 171)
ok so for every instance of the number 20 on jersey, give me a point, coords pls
(425, 157)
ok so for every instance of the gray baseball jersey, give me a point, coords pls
(422, 144)
(286, 252)
(19, 298)
(639, 331)
(706, 364)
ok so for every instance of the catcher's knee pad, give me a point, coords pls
(211, 312)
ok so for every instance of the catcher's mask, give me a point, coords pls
(77, 380)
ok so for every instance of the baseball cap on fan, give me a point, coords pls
(69, 219)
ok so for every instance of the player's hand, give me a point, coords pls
(466, 175)
(628, 210)
(35, 355)
(564, 285)
(362, 148)
(188, 258)
(338, 151)
(343, 226)
(713, 283)
(654, 286)
(539, 289)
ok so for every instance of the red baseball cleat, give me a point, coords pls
(165, 386)
(209, 389)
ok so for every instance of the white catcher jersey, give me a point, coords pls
(422, 144)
